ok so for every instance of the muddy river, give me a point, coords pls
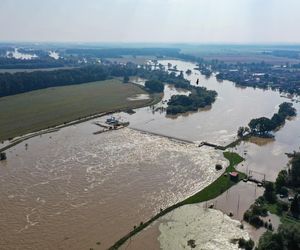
(72, 189)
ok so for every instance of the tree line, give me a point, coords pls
(287, 182)
(47, 62)
(11, 84)
(120, 52)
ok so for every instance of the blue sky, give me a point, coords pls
(197, 21)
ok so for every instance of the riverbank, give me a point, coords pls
(213, 190)
(65, 106)
(155, 98)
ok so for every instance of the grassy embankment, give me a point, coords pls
(41, 109)
(221, 184)
(210, 192)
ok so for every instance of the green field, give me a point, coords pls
(36, 110)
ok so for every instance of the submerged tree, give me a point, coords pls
(2, 156)
(126, 79)
(262, 125)
(242, 131)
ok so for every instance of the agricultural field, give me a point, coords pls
(36, 110)
(242, 54)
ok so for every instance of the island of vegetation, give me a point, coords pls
(199, 97)
(263, 126)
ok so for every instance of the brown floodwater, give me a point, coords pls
(234, 107)
(71, 189)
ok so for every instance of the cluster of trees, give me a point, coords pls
(163, 76)
(11, 84)
(188, 72)
(155, 86)
(285, 180)
(288, 235)
(263, 126)
(286, 238)
(47, 62)
(254, 213)
(294, 173)
(199, 98)
(119, 52)
(246, 244)
(258, 209)
(288, 178)
(242, 131)
(269, 193)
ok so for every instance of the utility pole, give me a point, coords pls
(238, 205)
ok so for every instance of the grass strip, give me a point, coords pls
(210, 192)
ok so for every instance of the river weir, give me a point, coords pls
(73, 189)
(104, 183)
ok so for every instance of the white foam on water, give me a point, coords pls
(209, 228)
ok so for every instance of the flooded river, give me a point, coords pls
(74, 190)
(235, 106)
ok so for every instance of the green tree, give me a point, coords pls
(287, 238)
(261, 125)
(281, 180)
(154, 86)
(2, 156)
(295, 170)
(246, 244)
(295, 206)
(188, 72)
(269, 193)
(240, 132)
(270, 241)
(126, 79)
(278, 120)
(286, 109)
